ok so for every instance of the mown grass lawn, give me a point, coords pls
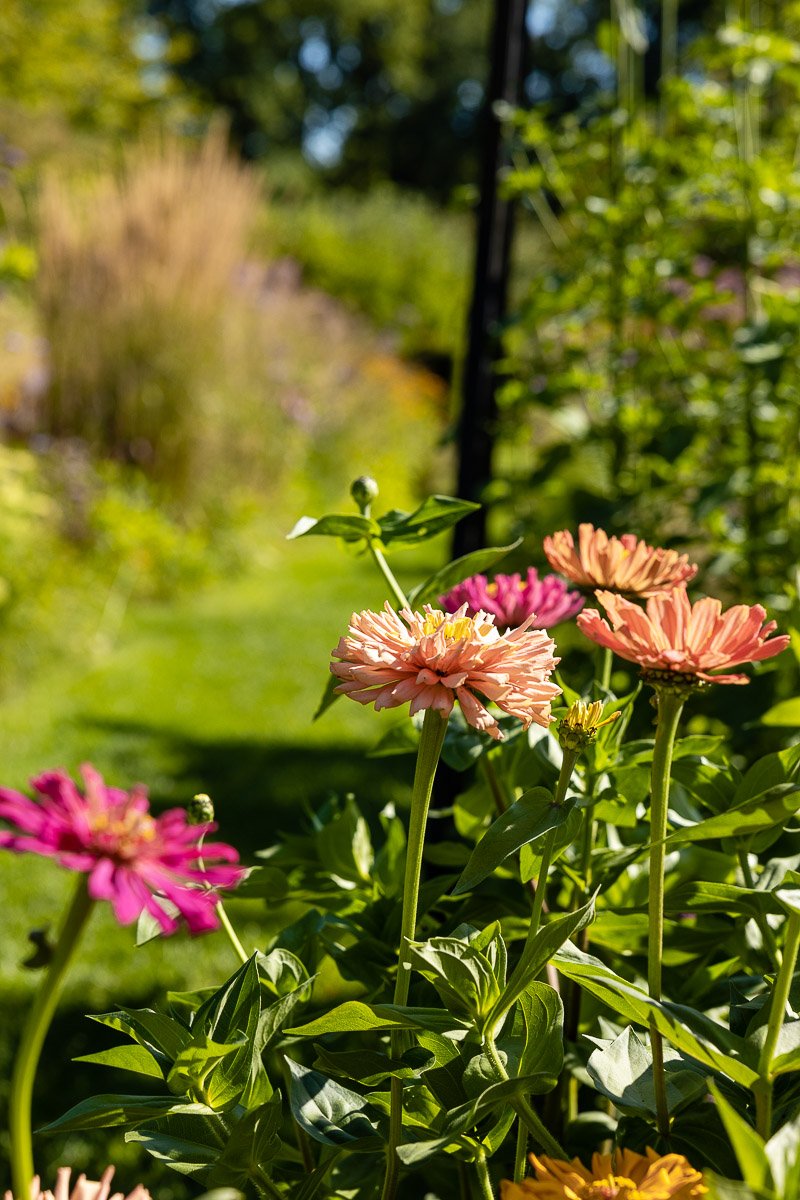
(213, 693)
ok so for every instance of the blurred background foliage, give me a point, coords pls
(236, 244)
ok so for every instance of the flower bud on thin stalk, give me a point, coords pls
(677, 645)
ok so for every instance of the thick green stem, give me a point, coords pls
(33, 1035)
(670, 705)
(388, 575)
(233, 938)
(777, 1010)
(430, 747)
(520, 1153)
(484, 1181)
(606, 665)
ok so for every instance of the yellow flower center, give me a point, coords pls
(127, 829)
(455, 631)
(491, 589)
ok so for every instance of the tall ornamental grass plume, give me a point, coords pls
(136, 272)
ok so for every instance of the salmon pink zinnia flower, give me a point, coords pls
(83, 1189)
(133, 859)
(681, 641)
(625, 564)
(623, 1176)
(434, 658)
(512, 600)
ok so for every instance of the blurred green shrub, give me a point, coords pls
(396, 256)
(652, 369)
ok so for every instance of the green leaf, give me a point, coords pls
(369, 1066)
(351, 528)
(536, 956)
(105, 1111)
(329, 696)
(543, 1015)
(720, 897)
(433, 516)
(126, 1058)
(328, 1112)
(253, 1141)
(783, 1154)
(622, 1070)
(529, 818)
(461, 974)
(747, 1144)
(456, 572)
(345, 846)
(356, 1017)
(185, 1155)
(763, 812)
(787, 712)
(685, 1028)
(194, 1072)
(163, 1036)
(400, 739)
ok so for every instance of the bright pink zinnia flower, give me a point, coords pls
(624, 564)
(432, 659)
(512, 601)
(133, 859)
(83, 1189)
(678, 638)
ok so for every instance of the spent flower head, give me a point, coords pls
(678, 644)
(433, 659)
(625, 564)
(579, 725)
(512, 599)
(131, 858)
(624, 1175)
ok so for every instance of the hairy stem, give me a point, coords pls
(430, 747)
(33, 1035)
(777, 1009)
(670, 705)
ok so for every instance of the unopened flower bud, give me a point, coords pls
(200, 810)
(579, 727)
(364, 490)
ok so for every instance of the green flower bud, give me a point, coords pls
(364, 490)
(200, 810)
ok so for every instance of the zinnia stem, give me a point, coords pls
(484, 1180)
(670, 705)
(606, 664)
(430, 747)
(233, 937)
(388, 575)
(777, 1009)
(33, 1035)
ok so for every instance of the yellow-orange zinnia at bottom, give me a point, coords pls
(622, 1176)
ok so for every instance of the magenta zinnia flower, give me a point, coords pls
(676, 638)
(83, 1188)
(512, 601)
(626, 564)
(432, 659)
(133, 859)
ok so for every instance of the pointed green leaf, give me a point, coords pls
(525, 821)
(456, 572)
(747, 1144)
(433, 516)
(126, 1058)
(348, 526)
(329, 1113)
(105, 1111)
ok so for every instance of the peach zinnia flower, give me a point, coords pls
(623, 564)
(84, 1189)
(677, 641)
(623, 1176)
(433, 658)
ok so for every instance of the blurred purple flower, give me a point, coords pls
(512, 600)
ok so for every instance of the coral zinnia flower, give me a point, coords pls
(677, 641)
(133, 859)
(512, 601)
(434, 658)
(625, 1176)
(624, 564)
(84, 1189)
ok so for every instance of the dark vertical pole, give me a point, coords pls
(492, 260)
